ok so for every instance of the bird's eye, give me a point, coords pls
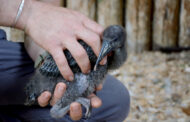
(114, 39)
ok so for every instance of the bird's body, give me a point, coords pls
(47, 74)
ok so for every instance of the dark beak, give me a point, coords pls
(106, 48)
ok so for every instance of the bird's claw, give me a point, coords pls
(58, 112)
(86, 103)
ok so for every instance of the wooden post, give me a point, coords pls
(109, 12)
(165, 23)
(138, 25)
(184, 38)
(87, 7)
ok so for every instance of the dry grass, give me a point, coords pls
(159, 86)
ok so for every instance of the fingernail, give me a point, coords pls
(71, 78)
(96, 102)
(46, 96)
(60, 89)
(75, 109)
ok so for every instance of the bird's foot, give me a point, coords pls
(86, 103)
(58, 112)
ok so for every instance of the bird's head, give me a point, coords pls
(113, 41)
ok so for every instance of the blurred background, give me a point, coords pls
(157, 72)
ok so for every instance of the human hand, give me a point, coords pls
(56, 29)
(75, 107)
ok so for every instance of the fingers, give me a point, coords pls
(58, 93)
(95, 101)
(75, 111)
(91, 38)
(96, 29)
(43, 99)
(93, 26)
(79, 54)
(99, 87)
(62, 64)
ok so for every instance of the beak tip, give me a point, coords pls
(102, 54)
(95, 67)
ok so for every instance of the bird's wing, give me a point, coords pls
(40, 59)
(46, 65)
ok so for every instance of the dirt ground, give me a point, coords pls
(159, 85)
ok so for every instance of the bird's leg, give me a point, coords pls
(86, 103)
(57, 111)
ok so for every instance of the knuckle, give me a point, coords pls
(81, 54)
(76, 27)
(95, 40)
(56, 95)
(79, 29)
(63, 63)
(56, 56)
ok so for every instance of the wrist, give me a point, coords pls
(8, 13)
(36, 15)
(25, 15)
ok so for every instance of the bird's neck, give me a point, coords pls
(118, 58)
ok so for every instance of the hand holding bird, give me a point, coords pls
(47, 75)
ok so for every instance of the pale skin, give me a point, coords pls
(55, 29)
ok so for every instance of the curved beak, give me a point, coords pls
(106, 48)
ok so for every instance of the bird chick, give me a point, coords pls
(47, 74)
